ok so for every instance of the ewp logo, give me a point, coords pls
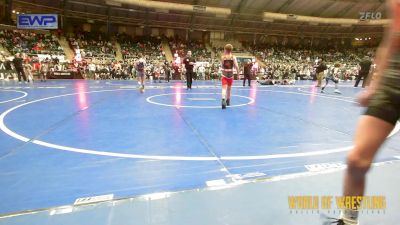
(37, 21)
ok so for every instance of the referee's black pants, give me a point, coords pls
(189, 79)
(21, 73)
(363, 76)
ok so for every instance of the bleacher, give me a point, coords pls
(30, 43)
(150, 47)
(198, 49)
(92, 45)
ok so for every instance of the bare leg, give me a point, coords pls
(319, 79)
(228, 92)
(370, 135)
(139, 80)
(326, 84)
(143, 80)
(224, 96)
(337, 87)
(224, 91)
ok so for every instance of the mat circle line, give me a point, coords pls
(11, 133)
(149, 100)
(14, 99)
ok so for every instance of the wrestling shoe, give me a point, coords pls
(342, 221)
(334, 221)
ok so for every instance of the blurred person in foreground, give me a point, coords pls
(382, 99)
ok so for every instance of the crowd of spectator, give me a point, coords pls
(91, 45)
(20, 41)
(123, 69)
(132, 47)
(98, 56)
(198, 49)
(26, 67)
(282, 62)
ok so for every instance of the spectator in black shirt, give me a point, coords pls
(189, 62)
(247, 72)
(18, 64)
(56, 61)
(8, 69)
(7, 65)
(364, 71)
(167, 70)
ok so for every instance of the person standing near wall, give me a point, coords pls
(365, 66)
(247, 71)
(19, 67)
(189, 63)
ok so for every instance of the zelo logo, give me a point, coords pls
(37, 21)
(370, 15)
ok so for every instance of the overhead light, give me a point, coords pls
(291, 17)
(199, 8)
(113, 3)
(13, 11)
(173, 6)
(17, 13)
(268, 20)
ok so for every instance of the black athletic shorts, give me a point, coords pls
(385, 104)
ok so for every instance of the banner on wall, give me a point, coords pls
(37, 21)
